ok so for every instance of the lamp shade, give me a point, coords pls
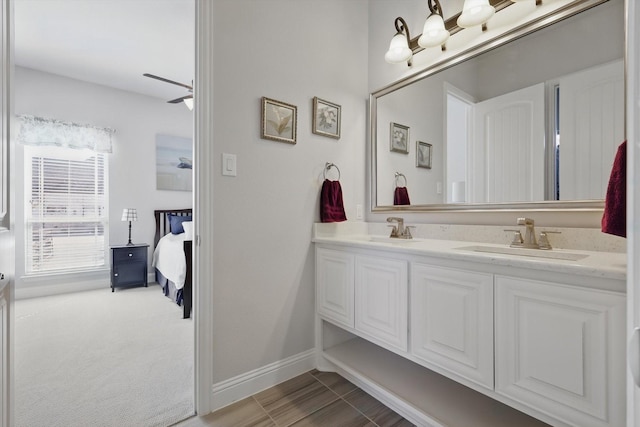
(129, 214)
(475, 12)
(189, 103)
(433, 33)
(398, 50)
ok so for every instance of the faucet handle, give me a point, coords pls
(543, 241)
(517, 238)
(407, 231)
(525, 221)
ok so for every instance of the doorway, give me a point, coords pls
(53, 70)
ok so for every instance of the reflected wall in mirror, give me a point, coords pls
(536, 120)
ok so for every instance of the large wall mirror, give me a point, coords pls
(532, 124)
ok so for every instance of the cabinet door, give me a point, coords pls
(560, 349)
(452, 321)
(334, 286)
(381, 300)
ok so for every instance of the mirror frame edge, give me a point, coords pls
(532, 26)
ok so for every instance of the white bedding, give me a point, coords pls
(168, 257)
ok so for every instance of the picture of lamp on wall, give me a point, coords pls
(129, 214)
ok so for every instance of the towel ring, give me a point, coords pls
(327, 167)
(398, 175)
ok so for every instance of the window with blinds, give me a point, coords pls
(66, 212)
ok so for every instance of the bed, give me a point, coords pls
(172, 258)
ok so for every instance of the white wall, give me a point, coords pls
(263, 262)
(136, 119)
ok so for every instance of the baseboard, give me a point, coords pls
(43, 286)
(226, 392)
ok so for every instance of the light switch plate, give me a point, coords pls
(229, 164)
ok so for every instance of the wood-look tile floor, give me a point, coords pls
(313, 399)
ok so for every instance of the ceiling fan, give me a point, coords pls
(187, 99)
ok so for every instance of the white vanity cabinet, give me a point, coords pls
(381, 300)
(512, 339)
(335, 286)
(364, 293)
(560, 349)
(452, 321)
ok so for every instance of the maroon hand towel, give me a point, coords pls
(614, 220)
(331, 205)
(401, 196)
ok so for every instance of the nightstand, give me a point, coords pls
(128, 265)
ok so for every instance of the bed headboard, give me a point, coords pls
(162, 221)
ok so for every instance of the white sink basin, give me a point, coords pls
(532, 253)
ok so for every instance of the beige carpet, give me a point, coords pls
(103, 359)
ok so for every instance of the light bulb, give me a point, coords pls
(475, 12)
(433, 33)
(398, 50)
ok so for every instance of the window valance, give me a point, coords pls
(41, 131)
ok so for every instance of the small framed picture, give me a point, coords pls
(423, 155)
(279, 121)
(326, 118)
(399, 138)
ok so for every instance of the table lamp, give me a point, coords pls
(129, 214)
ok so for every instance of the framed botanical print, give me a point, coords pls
(423, 155)
(279, 121)
(326, 118)
(399, 138)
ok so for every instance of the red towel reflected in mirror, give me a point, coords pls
(401, 196)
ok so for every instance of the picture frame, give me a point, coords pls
(279, 121)
(423, 154)
(174, 163)
(326, 118)
(399, 138)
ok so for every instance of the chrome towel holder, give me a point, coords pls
(398, 175)
(327, 167)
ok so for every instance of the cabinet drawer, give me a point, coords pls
(129, 254)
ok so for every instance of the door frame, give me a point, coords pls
(203, 200)
(203, 192)
(633, 196)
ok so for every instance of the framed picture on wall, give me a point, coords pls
(174, 163)
(279, 121)
(326, 118)
(423, 155)
(399, 138)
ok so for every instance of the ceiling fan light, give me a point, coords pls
(398, 50)
(434, 32)
(189, 103)
(475, 12)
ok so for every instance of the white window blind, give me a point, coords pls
(66, 212)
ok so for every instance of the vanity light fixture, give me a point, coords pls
(399, 50)
(475, 12)
(434, 33)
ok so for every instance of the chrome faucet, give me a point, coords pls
(529, 239)
(399, 231)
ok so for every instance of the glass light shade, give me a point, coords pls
(475, 12)
(398, 50)
(433, 33)
(189, 103)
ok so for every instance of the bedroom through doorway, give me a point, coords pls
(87, 354)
